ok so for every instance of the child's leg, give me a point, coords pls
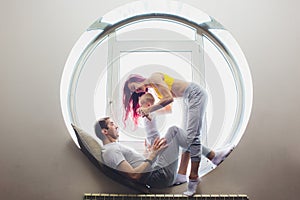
(151, 130)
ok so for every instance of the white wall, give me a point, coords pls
(38, 159)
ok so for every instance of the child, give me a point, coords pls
(146, 100)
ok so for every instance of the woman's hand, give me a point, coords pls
(143, 111)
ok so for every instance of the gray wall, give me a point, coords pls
(38, 159)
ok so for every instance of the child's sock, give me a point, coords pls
(180, 178)
(192, 187)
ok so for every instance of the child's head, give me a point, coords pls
(146, 100)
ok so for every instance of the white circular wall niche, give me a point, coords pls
(148, 36)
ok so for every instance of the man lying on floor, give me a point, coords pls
(158, 170)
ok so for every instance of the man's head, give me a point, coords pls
(146, 100)
(106, 130)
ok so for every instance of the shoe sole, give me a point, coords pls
(179, 183)
(229, 152)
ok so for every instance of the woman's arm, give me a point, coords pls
(157, 80)
(166, 110)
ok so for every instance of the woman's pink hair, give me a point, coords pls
(131, 99)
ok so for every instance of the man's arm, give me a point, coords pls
(136, 173)
(133, 173)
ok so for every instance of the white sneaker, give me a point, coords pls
(221, 155)
(180, 179)
(192, 187)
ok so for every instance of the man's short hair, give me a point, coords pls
(99, 125)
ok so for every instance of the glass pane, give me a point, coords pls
(89, 83)
(145, 63)
(155, 6)
(156, 30)
(223, 95)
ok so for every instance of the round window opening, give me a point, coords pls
(145, 37)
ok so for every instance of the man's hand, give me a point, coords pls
(158, 145)
(136, 173)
